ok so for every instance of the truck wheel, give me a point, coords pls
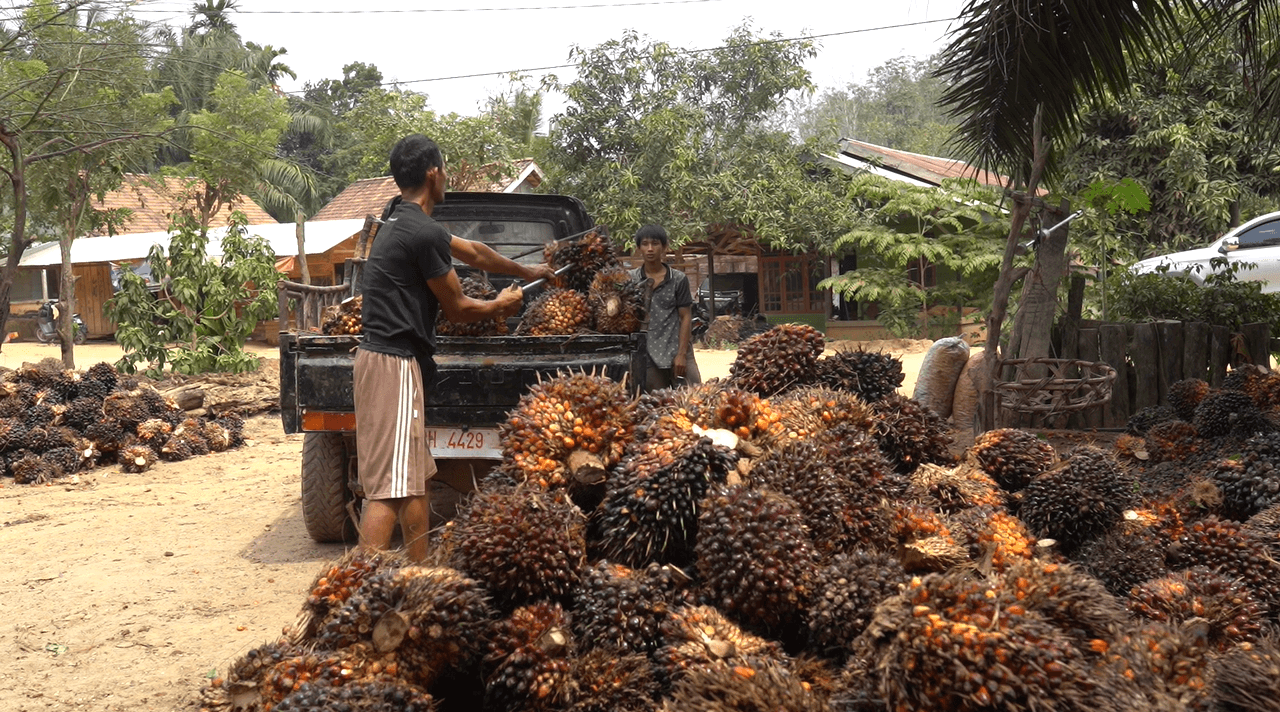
(324, 488)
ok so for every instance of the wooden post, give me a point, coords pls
(301, 231)
(1195, 351)
(1257, 338)
(1170, 369)
(1112, 342)
(1145, 352)
(1219, 354)
(1089, 351)
(711, 280)
(366, 234)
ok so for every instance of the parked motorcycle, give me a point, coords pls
(47, 324)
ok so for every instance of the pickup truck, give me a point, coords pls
(479, 379)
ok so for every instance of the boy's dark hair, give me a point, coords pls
(652, 232)
(412, 157)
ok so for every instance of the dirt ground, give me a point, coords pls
(126, 592)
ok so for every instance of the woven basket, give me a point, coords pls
(1068, 385)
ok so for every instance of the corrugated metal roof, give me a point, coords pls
(320, 237)
(853, 164)
(930, 169)
(370, 195)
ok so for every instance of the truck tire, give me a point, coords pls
(325, 493)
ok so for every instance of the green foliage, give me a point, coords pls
(896, 107)
(1224, 299)
(208, 308)
(654, 135)
(910, 228)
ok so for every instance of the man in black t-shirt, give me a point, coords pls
(408, 280)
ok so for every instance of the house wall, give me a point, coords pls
(93, 289)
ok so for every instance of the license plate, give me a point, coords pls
(459, 442)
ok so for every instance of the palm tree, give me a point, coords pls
(211, 16)
(260, 64)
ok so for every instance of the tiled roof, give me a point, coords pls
(152, 198)
(370, 196)
(929, 169)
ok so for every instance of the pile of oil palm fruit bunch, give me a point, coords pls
(55, 422)
(344, 318)
(595, 294)
(815, 549)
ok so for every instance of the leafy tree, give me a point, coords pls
(232, 144)
(478, 153)
(910, 229)
(208, 307)
(896, 107)
(74, 107)
(652, 134)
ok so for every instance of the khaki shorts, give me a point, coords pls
(391, 437)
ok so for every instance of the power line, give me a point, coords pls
(756, 43)
(592, 6)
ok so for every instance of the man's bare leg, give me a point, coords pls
(415, 521)
(378, 522)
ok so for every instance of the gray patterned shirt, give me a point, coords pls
(662, 306)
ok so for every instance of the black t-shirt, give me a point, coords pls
(399, 311)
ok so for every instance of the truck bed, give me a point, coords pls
(478, 379)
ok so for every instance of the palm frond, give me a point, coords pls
(1009, 57)
(284, 188)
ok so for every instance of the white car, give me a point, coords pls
(1256, 242)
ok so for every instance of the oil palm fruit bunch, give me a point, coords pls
(1265, 526)
(755, 557)
(652, 500)
(585, 257)
(617, 305)
(1185, 395)
(1170, 665)
(439, 624)
(809, 410)
(569, 430)
(525, 544)
(950, 642)
(154, 432)
(1012, 456)
(1225, 547)
(925, 542)
(186, 441)
(800, 469)
(1246, 378)
(871, 375)
(32, 469)
(847, 590)
(216, 435)
(1129, 554)
(1229, 412)
(605, 681)
(1078, 501)
(234, 423)
(136, 459)
(344, 318)
(1234, 615)
(1139, 423)
(239, 688)
(128, 407)
(619, 609)
(1172, 441)
(754, 685)
(995, 538)
(107, 436)
(99, 380)
(337, 583)
(783, 357)
(557, 312)
(82, 412)
(365, 696)
(476, 287)
(953, 489)
(1251, 483)
(325, 669)
(529, 660)
(700, 636)
(910, 434)
(1247, 679)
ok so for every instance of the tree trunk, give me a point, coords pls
(1004, 283)
(300, 223)
(18, 240)
(1033, 324)
(79, 190)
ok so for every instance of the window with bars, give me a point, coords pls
(788, 284)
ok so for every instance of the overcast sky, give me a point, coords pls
(461, 37)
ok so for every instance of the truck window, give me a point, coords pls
(510, 238)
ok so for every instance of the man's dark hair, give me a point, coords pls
(412, 157)
(652, 232)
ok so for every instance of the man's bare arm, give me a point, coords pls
(481, 256)
(461, 309)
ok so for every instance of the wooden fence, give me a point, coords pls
(1151, 356)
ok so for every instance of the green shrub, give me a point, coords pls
(1224, 300)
